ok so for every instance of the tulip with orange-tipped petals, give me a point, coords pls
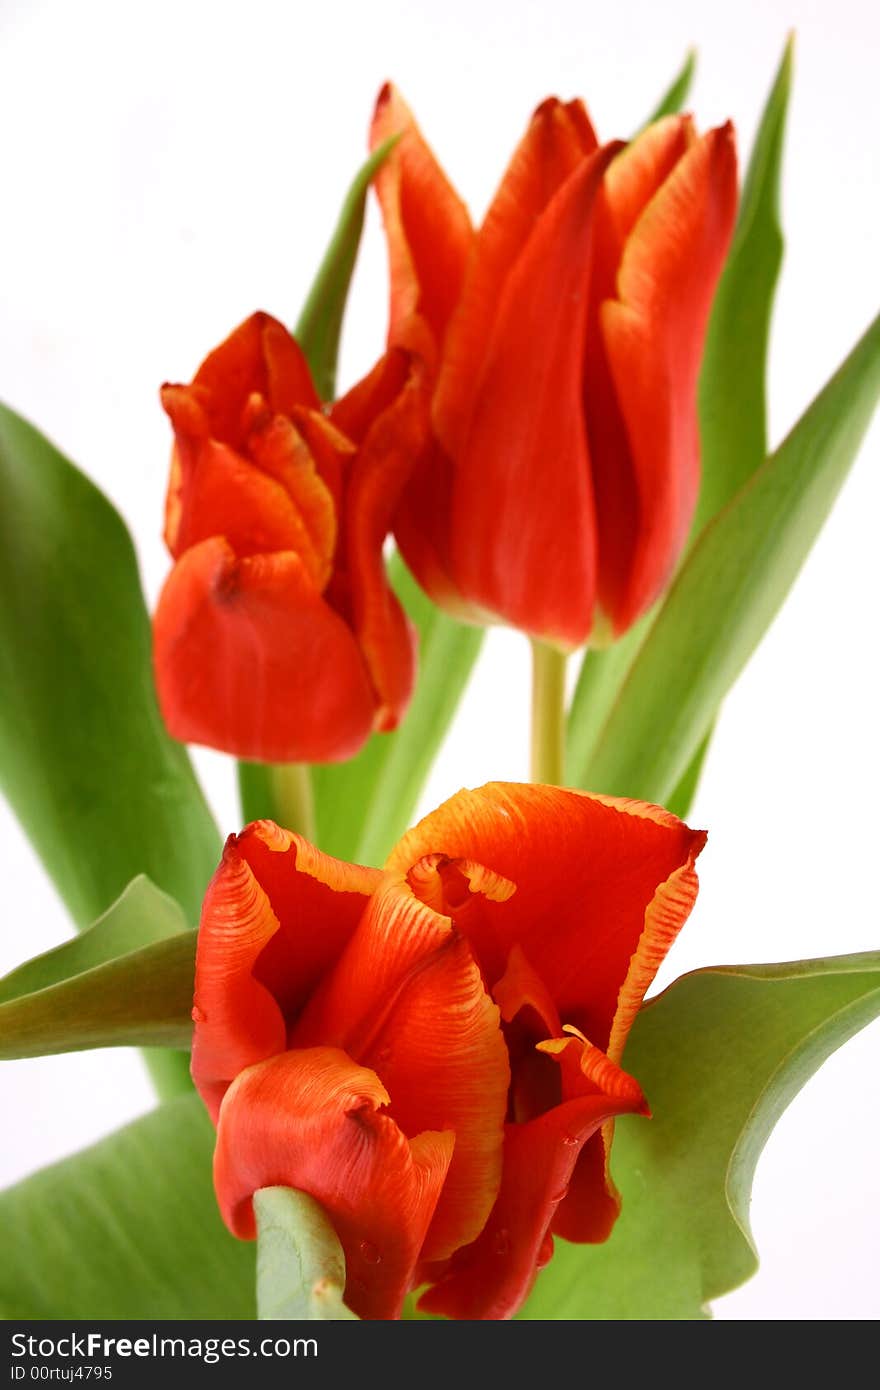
(433, 1051)
(277, 637)
(563, 339)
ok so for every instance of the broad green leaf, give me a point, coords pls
(300, 1262)
(141, 999)
(733, 377)
(101, 789)
(140, 916)
(720, 1055)
(676, 94)
(732, 404)
(320, 322)
(126, 1229)
(365, 805)
(730, 589)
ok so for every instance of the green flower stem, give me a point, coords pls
(548, 714)
(293, 798)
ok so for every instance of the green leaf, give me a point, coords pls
(720, 1055)
(101, 789)
(679, 801)
(320, 322)
(141, 915)
(732, 405)
(675, 96)
(126, 1229)
(300, 1262)
(141, 999)
(730, 589)
(733, 378)
(364, 806)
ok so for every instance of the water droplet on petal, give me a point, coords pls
(569, 1139)
(545, 1254)
(561, 1195)
(369, 1252)
(501, 1243)
(198, 1016)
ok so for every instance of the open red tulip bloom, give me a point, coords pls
(277, 637)
(564, 341)
(433, 1051)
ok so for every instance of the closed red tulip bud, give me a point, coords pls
(433, 1052)
(277, 637)
(564, 343)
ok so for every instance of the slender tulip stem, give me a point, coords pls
(293, 798)
(548, 714)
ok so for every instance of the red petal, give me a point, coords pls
(218, 493)
(408, 1000)
(523, 540)
(276, 916)
(602, 888)
(237, 1020)
(493, 1277)
(279, 450)
(427, 227)
(653, 332)
(310, 1120)
(330, 449)
(259, 358)
(630, 183)
(521, 987)
(378, 474)
(423, 530)
(422, 512)
(592, 1204)
(249, 658)
(558, 139)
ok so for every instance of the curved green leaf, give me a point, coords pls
(141, 915)
(720, 1055)
(676, 94)
(731, 587)
(141, 999)
(101, 789)
(126, 1229)
(733, 376)
(107, 987)
(320, 322)
(300, 1262)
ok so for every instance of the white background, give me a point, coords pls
(169, 167)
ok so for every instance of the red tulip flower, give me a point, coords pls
(433, 1052)
(277, 637)
(564, 340)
